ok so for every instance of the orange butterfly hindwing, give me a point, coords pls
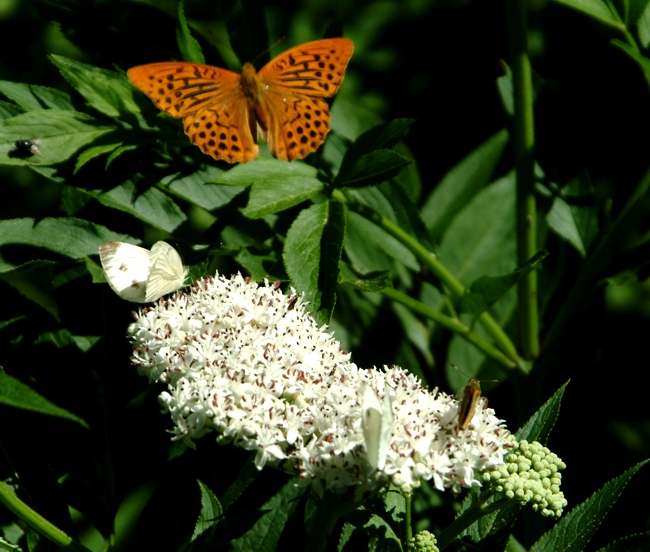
(222, 110)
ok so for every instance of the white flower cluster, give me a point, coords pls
(246, 361)
(531, 474)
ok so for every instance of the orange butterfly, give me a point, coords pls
(221, 110)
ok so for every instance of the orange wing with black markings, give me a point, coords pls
(221, 110)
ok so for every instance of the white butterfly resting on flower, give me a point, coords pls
(377, 425)
(139, 275)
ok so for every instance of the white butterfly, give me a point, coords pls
(142, 276)
(377, 424)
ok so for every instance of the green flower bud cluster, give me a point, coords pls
(530, 474)
(423, 542)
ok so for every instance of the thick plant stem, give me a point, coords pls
(38, 522)
(430, 261)
(524, 146)
(452, 324)
(408, 520)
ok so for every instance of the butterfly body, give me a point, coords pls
(469, 403)
(223, 110)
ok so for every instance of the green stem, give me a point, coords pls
(524, 146)
(38, 522)
(429, 260)
(408, 520)
(452, 324)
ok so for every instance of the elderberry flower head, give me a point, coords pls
(423, 542)
(531, 474)
(249, 363)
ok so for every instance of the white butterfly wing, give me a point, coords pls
(386, 429)
(377, 425)
(166, 273)
(126, 267)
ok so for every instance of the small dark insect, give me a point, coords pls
(25, 148)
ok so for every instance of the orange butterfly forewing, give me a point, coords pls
(222, 110)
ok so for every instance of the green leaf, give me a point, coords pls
(371, 249)
(377, 530)
(332, 246)
(506, 88)
(74, 238)
(32, 96)
(382, 536)
(632, 52)
(487, 290)
(6, 546)
(461, 184)
(9, 110)
(540, 424)
(210, 510)
(197, 271)
(515, 546)
(62, 338)
(33, 279)
(575, 529)
(6, 323)
(274, 195)
(639, 542)
(643, 27)
(107, 91)
(93, 152)
(197, 188)
(576, 218)
(597, 9)
(346, 534)
(261, 265)
(266, 533)
(187, 44)
(479, 241)
(151, 206)
(15, 393)
(74, 199)
(261, 170)
(54, 174)
(371, 169)
(119, 151)
(311, 254)
(492, 531)
(395, 503)
(372, 282)
(416, 331)
(96, 271)
(560, 220)
(401, 210)
(61, 134)
(383, 136)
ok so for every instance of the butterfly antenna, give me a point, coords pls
(269, 48)
(470, 377)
